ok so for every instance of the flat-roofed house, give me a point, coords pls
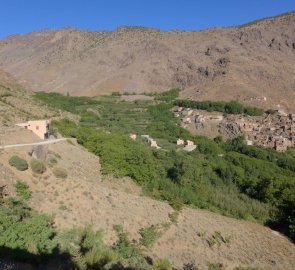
(133, 136)
(39, 127)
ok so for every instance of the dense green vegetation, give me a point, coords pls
(231, 107)
(24, 231)
(227, 177)
(67, 103)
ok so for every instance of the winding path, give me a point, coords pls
(32, 144)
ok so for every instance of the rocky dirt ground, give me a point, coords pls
(86, 197)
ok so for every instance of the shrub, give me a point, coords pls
(18, 163)
(97, 258)
(38, 166)
(149, 236)
(162, 264)
(218, 239)
(177, 204)
(60, 172)
(52, 161)
(129, 251)
(22, 190)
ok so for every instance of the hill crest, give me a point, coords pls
(246, 63)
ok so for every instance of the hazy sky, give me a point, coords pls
(22, 16)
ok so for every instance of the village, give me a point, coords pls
(276, 131)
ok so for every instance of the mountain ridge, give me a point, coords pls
(246, 62)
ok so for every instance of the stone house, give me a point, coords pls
(153, 143)
(180, 142)
(133, 136)
(280, 145)
(188, 142)
(39, 127)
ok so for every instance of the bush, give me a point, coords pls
(162, 264)
(60, 172)
(129, 251)
(22, 190)
(177, 204)
(18, 163)
(173, 216)
(149, 236)
(52, 161)
(100, 258)
(38, 166)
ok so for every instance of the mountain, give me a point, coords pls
(17, 104)
(253, 63)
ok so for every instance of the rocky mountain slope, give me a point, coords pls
(17, 103)
(253, 63)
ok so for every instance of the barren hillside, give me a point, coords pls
(17, 104)
(248, 62)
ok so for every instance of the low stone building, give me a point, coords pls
(39, 127)
(133, 136)
(153, 143)
(188, 142)
(180, 142)
(281, 145)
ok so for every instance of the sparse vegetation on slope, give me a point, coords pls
(22, 190)
(27, 236)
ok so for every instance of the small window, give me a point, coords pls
(37, 127)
